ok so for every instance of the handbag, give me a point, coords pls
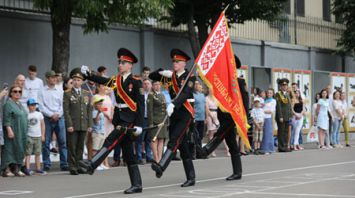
(312, 135)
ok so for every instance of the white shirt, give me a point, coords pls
(270, 106)
(146, 93)
(337, 105)
(124, 76)
(50, 101)
(32, 87)
(257, 114)
(344, 107)
(34, 124)
(180, 73)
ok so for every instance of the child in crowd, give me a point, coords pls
(257, 113)
(35, 137)
(98, 129)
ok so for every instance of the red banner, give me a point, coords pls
(217, 67)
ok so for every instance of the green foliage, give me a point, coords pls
(100, 13)
(238, 11)
(344, 10)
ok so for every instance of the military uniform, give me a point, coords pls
(283, 111)
(77, 114)
(227, 132)
(180, 119)
(128, 112)
(156, 106)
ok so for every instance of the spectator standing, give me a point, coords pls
(322, 117)
(145, 73)
(156, 109)
(337, 116)
(212, 119)
(32, 84)
(298, 110)
(67, 84)
(200, 112)
(78, 120)
(345, 122)
(102, 71)
(283, 115)
(90, 87)
(98, 129)
(257, 113)
(144, 138)
(267, 144)
(50, 100)
(35, 137)
(107, 110)
(3, 95)
(20, 81)
(15, 124)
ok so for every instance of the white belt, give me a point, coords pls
(190, 100)
(121, 105)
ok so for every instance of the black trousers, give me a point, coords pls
(200, 126)
(227, 131)
(177, 135)
(125, 141)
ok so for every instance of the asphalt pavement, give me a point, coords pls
(308, 173)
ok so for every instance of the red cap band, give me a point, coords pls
(126, 58)
(179, 58)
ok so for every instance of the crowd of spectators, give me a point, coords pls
(32, 116)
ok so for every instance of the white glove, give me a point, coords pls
(85, 70)
(138, 130)
(166, 73)
(170, 109)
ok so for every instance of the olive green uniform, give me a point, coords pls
(77, 114)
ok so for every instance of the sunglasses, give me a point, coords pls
(122, 62)
(16, 91)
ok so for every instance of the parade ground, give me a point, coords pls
(308, 173)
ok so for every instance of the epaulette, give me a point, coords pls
(86, 91)
(136, 77)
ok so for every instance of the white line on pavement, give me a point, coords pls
(219, 178)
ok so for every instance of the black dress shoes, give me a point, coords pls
(133, 189)
(158, 171)
(188, 183)
(234, 177)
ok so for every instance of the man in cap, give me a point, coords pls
(227, 132)
(50, 100)
(128, 114)
(181, 114)
(78, 120)
(283, 115)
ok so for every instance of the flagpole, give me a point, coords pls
(180, 91)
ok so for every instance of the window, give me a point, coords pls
(326, 10)
(300, 7)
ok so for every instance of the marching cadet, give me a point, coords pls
(128, 114)
(181, 115)
(227, 131)
(78, 120)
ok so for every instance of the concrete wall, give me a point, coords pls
(26, 39)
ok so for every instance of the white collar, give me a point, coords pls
(180, 73)
(54, 87)
(124, 76)
(77, 89)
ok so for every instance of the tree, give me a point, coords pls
(98, 15)
(344, 12)
(203, 14)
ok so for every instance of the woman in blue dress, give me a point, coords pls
(267, 144)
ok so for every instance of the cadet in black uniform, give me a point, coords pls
(128, 113)
(181, 115)
(227, 131)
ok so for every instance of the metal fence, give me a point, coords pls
(312, 32)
